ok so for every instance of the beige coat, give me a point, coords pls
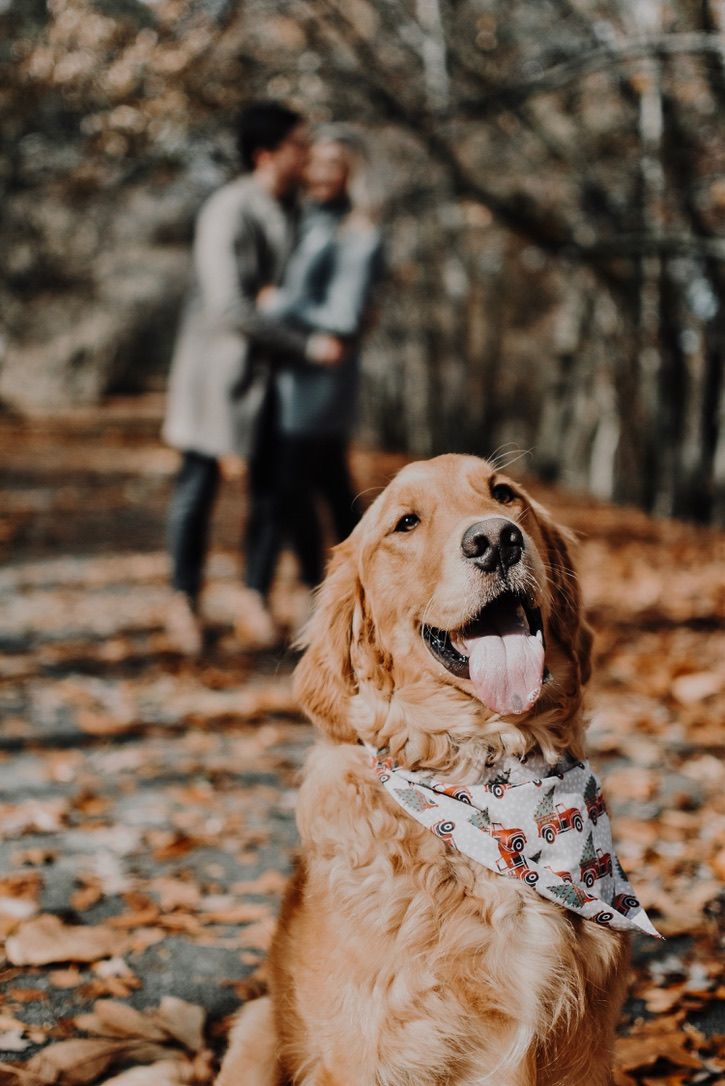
(226, 350)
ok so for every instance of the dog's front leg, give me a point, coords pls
(251, 1059)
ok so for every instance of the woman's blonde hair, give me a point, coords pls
(362, 187)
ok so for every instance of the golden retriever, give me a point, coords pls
(398, 961)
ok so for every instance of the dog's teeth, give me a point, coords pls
(539, 635)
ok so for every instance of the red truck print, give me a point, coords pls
(595, 867)
(509, 840)
(444, 829)
(457, 791)
(594, 800)
(603, 917)
(559, 820)
(514, 863)
(596, 809)
(499, 784)
(565, 876)
(383, 766)
(625, 903)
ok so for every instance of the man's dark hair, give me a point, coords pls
(263, 126)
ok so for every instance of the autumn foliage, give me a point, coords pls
(147, 810)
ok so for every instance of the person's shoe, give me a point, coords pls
(254, 624)
(183, 626)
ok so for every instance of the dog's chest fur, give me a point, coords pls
(422, 934)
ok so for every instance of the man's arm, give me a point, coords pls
(220, 256)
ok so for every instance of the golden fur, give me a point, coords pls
(398, 962)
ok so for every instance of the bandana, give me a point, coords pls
(544, 825)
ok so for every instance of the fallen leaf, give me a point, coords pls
(696, 686)
(18, 1076)
(183, 1021)
(77, 1062)
(46, 939)
(113, 1019)
(7, 1021)
(25, 995)
(258, 935)
(635, 1051)
(269, 882)
(17, 908)
(65, 978)
(176, 894)
(660, 1000)
(12, 1040)
(162, 1073)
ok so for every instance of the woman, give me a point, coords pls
(326, 289)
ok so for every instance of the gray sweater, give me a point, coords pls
(326, 288)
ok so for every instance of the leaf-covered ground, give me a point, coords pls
(147, 803)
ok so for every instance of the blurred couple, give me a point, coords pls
(266, 362)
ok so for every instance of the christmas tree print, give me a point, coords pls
(588, 853)
(414, 799)
(481, 820)
(590, 791)
(546, 805)
(570, 895)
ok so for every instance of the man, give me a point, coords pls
(221, 392)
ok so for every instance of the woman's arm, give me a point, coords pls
(341, 312)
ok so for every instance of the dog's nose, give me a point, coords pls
(492, 543)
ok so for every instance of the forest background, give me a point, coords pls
(556, 203)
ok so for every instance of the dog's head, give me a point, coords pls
(450, 620)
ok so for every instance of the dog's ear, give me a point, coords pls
(324, 680)
(567, 621)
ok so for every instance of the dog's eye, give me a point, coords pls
(503, 493)
(407, 523)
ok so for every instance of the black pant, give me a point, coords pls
(287, 474)
(189, 516)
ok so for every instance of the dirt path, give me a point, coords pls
(152, 800)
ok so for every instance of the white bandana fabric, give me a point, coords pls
(545, 825)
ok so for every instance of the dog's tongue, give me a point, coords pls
(506, 663)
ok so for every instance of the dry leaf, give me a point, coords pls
(65, 978)
(162, 1073)
(7, 1022)
(113, 1019)
(47, 939)
(17, 908)
(75, 1062)
(258, 935)
(638, 1051)
(25, 995)
(235, 914)
(176, 894)
(269, 882)
(696, 686)
(18, 1076)
(183, 1021)
(660, 1000)
(12, 1040)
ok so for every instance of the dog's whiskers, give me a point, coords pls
(500, 459)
